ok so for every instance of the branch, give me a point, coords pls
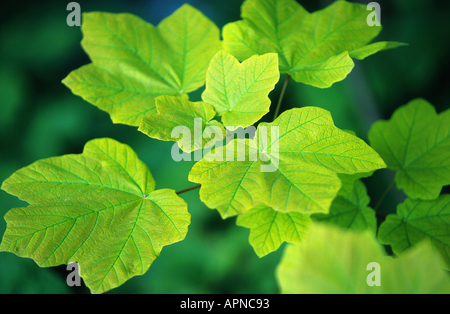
(189, 189)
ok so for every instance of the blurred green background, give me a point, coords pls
(40, 118)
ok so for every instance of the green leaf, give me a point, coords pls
(239, 92)
(179, 112)
(418, 220)
(364, 52)
(348, 181)
(99, 208)
(315, 49)
(351, 211)
(305, 150)
(333, 261)
(270, 228)
(323, 74)
(133, 62)
(416, 143)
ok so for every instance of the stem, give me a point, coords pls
(384, 195)
(189, 189)
(283, 90)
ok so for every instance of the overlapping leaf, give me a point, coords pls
(418, 220)
(338, 262)
(133, 62)
(99, 208)
(239, 92)
(416, 143)
(179, 112)
(351, 211)
(348, 181)
(306, 152)
(315, 49)
(270, 228)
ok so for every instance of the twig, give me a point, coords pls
(189, 189)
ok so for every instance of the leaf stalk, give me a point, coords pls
(189, 189)
(384, 195)
(280, 100)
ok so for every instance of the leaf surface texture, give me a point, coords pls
(99, 208)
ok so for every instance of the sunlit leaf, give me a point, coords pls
(294, 170)
(176, 112)
(314, 48)
(270, 228)
(99, 208)
(338, 262)
(239, 92)
(133, 61)
(364, 52)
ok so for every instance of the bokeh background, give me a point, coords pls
(40, 118)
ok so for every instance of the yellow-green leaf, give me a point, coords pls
(133, 61)
(293, 168)
(334, 261)
(314, 48)
(270, 228)
(175, 112)
(239, 92)
(99, 208)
